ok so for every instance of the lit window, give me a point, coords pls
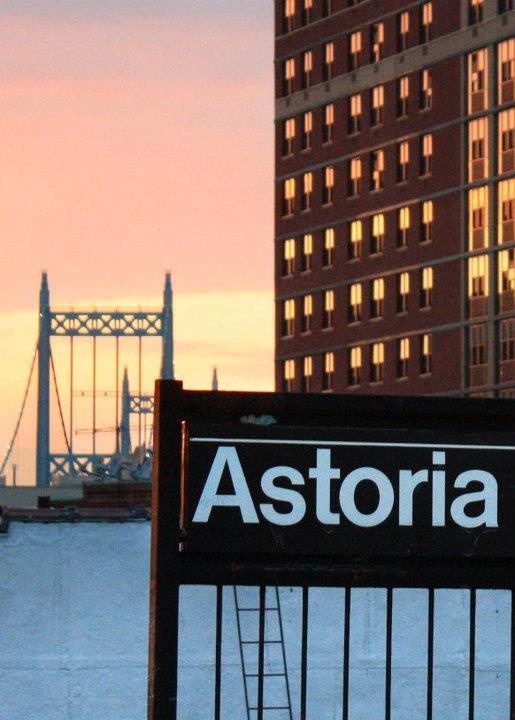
(507, 141)
(426, 287)
(402, 96)
(477, 131)
(307, 313)
(307, 68)
(355, 303)
(355, 50)
(307, 130)
(426, 154)
(354, 122)
(402, 31)
(328, 256)
(289, 196)
(355, 173)
(477, 81)
(354, 356)
(289, 257)
(328, 188)
(307, 373)
(402, 292)
(377, 298)
(478, 218)
(288, 136)
(376, 42)
(328, 314)
(288, 317)
(402, 161)
(426, 21)
(426, 90)
(426, 225)
(507, 340)
(376, 169)
(289, 15)
(475, 11)
(506, 211)
(307, 191)
(506, 71)
(403, 226)
(403, 352)
(477, 345)
(328, 61)
(289, 76)
(355, 239)
(377, 239)
(288, 375)
(307, 253)
(377, 112)
(328, 375)
(307, 9)
(328, 123)
(506, 280)
(376, 362)
(426, 353)
(478, 276)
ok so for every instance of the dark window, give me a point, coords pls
(477, 345)
(426, 353)
(403, 353)
(475, 11)
(507, 339)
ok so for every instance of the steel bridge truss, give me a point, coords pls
(96, 324)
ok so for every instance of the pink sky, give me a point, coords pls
(138, 136)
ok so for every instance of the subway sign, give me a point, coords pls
(338, 492)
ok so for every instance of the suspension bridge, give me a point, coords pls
(101, 326)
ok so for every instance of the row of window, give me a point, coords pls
(298, 253)
(376, 227)
(355, 302)
(299, 13)
(325, 56)
(412, 354)
(355, 175)
(305, 124)
(477, 74)
(408, 350)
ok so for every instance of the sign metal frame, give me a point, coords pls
(172, 565)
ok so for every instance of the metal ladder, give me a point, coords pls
(272, 605)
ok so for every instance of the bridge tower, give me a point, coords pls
(95, 324)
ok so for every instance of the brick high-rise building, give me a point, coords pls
(395, 196)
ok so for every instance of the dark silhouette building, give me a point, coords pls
(395, 196)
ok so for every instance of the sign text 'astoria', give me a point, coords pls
(476, 506)
(302, 491)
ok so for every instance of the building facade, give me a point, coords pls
(395, 196)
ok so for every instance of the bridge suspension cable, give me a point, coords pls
(20, 414)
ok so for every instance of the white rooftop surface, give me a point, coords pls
(74, 634)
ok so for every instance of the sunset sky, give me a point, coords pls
(137, 135)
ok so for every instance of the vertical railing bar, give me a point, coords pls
(388, 678)
(512, 656)
(261, 654)
(242, 657)
(279, 613)
(430, 650)
(218, 650)
(304, 654)
(346, 654)
(472, 650)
